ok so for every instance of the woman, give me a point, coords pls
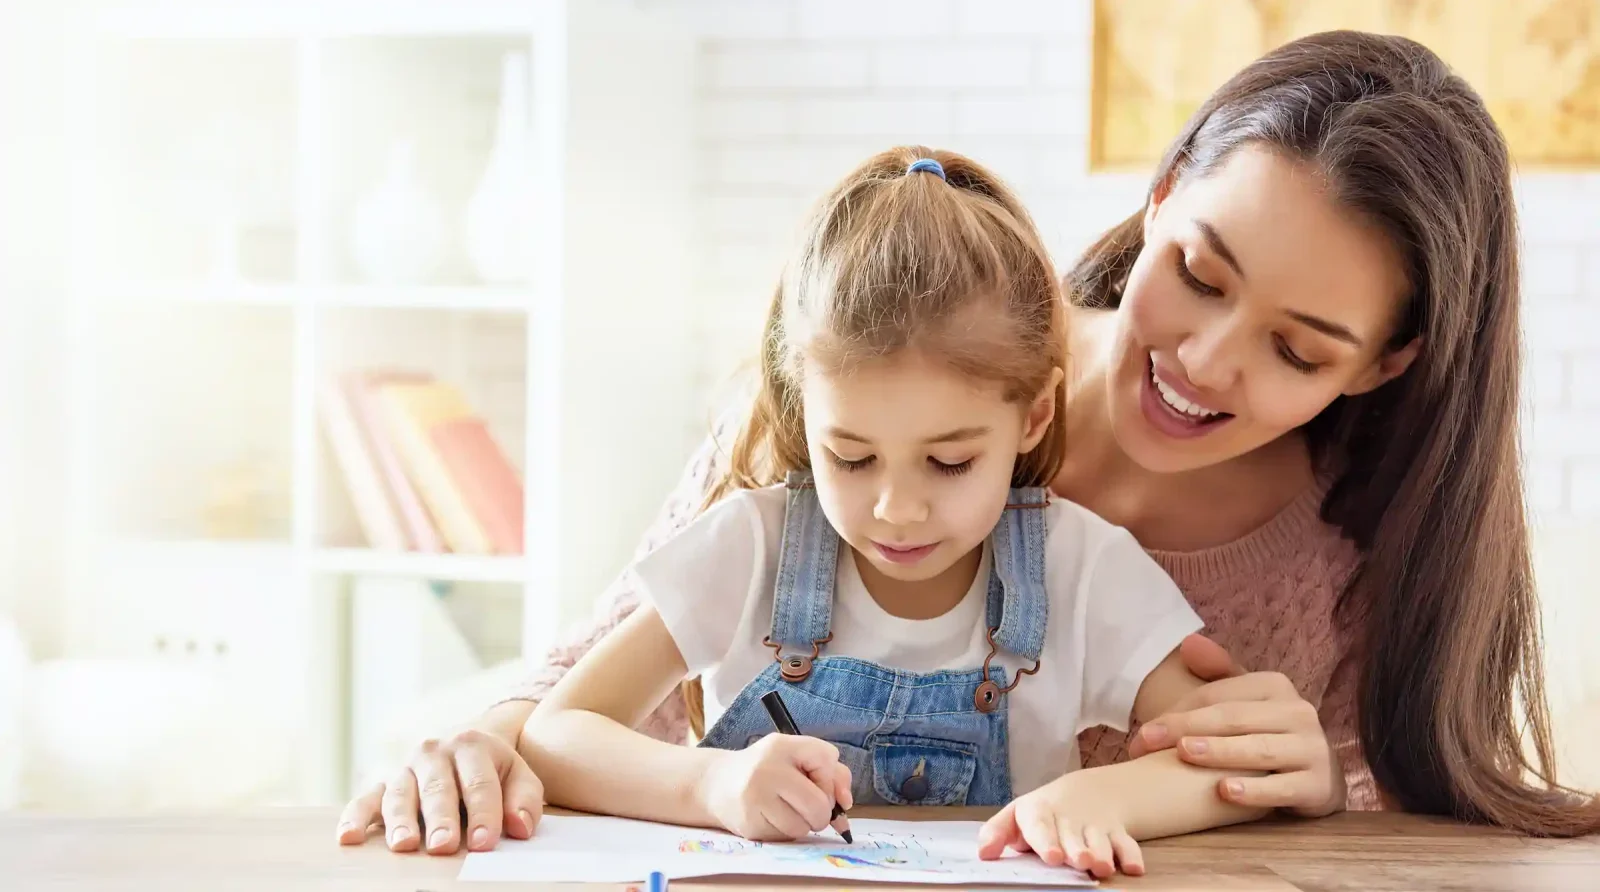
(1295, 382)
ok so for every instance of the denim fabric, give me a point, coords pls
(890, 725)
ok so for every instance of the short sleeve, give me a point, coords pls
(702, 579)
(1134, 616)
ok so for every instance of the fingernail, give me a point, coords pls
(1196, 747)
(438, 838)
(399, 835)
(1155, 733)
(480, 837)
(346, 827)
(527, 819)
(1235, 788)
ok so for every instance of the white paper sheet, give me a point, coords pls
(587, 849)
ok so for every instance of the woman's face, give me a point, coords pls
(1255, 303)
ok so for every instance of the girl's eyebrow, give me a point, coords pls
(958, 435)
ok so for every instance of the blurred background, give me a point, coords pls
(346, 348)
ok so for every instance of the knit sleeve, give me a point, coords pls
(670, 720)
(1341, 723)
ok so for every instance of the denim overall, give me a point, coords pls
(937, 738)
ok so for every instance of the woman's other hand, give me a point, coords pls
(1249, 721)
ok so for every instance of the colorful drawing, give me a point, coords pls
(894, 853)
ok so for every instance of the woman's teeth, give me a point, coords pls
(1177, 402)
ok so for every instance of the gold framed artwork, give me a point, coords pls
(1535, 62)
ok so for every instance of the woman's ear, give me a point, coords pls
(1041, 412)
(1389, 365)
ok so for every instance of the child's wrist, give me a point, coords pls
(701, 797)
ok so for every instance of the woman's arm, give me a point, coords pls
(506, 797)
(1337, 716)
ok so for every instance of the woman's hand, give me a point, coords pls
(1253, 721)
(475, 773)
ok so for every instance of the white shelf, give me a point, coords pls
(452, 567)
(218, 168)
(395, 297)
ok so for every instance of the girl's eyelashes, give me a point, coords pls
(859, 464)
(955, 470)
(850, 464)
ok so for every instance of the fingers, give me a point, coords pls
(359, 815)
(1129, 857)
(1270, 791)
(841, 786)
(1254, 686)
(479, 783)
(785, 818)
(811, 797)
(523, 794)
(441, 798)
(1230, 719)
(843, 796)
(400, 812)
(1038, 828)
(1207, 659)
(1074, 854)
(1097, 853)
(998, 832)
(1253, 752)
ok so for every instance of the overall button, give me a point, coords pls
(796, 668)
(915, 787)
(986, 697)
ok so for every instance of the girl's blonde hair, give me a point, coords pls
(893, 259)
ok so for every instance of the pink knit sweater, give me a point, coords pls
(1267, 597)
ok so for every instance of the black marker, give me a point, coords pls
(784, 722)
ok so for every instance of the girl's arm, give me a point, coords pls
(1092, 819)
(1159, 795)
(580, 739)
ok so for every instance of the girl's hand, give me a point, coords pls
(473, 771)
(1249, 722)
(1066, 822)
(783, 787)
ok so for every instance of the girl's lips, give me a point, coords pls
(904, 555)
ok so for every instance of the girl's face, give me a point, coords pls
(913, 460)
(1256, 302)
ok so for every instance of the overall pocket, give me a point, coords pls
(922, 771)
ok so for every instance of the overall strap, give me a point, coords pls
(802, 604)
(1018, 606)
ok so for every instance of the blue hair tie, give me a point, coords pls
(927, 164)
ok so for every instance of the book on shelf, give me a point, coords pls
(358, 385)
(424, 471)
(374, 513)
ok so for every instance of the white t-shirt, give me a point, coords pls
(1114, 615)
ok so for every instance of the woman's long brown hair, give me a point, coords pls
(892, 261)
(1452, 709)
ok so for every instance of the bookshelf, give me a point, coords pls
(264, 198)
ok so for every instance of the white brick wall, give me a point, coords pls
(794, 92)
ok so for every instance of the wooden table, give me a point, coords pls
(294, 851)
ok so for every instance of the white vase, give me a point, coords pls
(499, 219)
(397, 237)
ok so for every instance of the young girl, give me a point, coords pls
(885, 556)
